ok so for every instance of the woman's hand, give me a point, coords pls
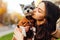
(18, 34)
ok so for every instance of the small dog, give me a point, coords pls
(27, 21)
(28, 12)
(28, 9)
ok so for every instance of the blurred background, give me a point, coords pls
(11, 14)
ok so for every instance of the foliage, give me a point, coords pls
(7, 37)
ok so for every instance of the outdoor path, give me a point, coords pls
(6, 30)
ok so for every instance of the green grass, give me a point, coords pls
(58, 39)
(7, 37)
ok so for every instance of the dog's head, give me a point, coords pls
(28, 9)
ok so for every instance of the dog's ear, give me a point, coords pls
(22, 5)
(33, 3)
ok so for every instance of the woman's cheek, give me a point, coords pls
(36, 16)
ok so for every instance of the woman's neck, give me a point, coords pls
(40, 22)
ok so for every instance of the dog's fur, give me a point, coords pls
(28, 12)
(25, 22)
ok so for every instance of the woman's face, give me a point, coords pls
(39, 12)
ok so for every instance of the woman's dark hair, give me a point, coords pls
(53, 13)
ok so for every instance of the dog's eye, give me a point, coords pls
(31, 8)
(25, 8)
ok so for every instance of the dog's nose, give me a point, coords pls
(28, 11)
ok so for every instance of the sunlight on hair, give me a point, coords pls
(37, 2)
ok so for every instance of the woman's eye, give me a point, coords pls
(39, 11)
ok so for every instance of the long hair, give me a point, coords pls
(53, 14)
(44, 31)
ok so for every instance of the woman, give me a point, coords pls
(46, 14)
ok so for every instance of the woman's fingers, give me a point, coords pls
(27, 28)
(17, 29)
(18, 34)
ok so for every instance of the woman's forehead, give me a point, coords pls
(42, 6)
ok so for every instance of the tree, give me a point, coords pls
(15, 17)
(3, 10)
